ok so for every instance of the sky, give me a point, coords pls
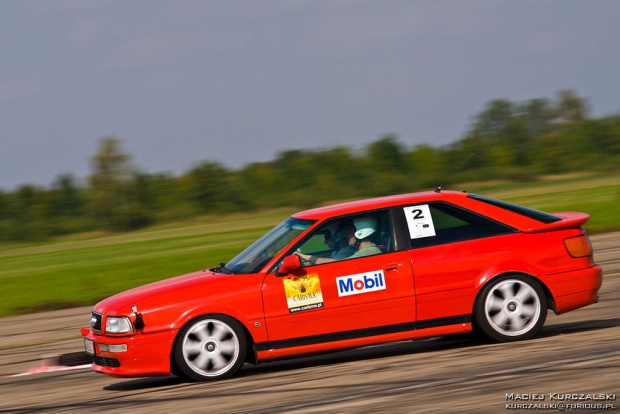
(238, 81)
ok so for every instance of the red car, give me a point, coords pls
(350, 275)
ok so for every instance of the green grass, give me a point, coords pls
(82, 269)
(81, 272)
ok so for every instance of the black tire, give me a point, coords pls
(511, 307)
(210, 347)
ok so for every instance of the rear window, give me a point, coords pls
(515, 208)
(441, 223)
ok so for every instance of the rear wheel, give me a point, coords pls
(211, 347)
(511, 308)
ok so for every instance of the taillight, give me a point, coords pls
(578, 246)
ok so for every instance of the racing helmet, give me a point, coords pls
(364, 227)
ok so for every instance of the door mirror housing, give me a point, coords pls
(290, 264)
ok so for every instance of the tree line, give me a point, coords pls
(510, 140)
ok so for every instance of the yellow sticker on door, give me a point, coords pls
(303, 292)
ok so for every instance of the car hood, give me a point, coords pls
(158, 295)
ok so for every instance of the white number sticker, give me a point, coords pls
(419, 221)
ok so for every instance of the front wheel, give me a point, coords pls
(511, 308)
(211, 347)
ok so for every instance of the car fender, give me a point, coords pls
(511, 266)
(255, 327)
(514, 266)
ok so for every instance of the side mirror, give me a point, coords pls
(290, 264)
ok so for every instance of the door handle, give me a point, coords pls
(392, 267)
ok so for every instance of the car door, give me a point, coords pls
(343, 299)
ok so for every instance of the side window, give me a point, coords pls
(319, 243)
(348, 238)
(440, 223)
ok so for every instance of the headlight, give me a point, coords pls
(119, 324)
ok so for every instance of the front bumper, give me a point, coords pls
(146, 354)
(575, 289)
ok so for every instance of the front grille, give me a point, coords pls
(95, 321)
(106, 362)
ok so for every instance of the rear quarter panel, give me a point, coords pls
(449, 277)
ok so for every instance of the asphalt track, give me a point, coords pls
(577, 355)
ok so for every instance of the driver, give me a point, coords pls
(356, 241)
(339, 242)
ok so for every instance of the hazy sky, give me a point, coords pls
(238, 81)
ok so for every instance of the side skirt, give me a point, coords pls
(362, 337)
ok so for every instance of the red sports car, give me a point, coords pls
(350, 275)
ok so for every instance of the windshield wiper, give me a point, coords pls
(223, 269)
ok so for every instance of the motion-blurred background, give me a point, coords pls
(140, 140)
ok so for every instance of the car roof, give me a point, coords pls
(376, 204)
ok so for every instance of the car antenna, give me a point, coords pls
(438, 190)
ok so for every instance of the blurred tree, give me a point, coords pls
(66, 213)
(612, 138)
(571, 107)
(602, 135)
(210, 187)
(428, 166)
(297, 172)
(510, 126)
(260, 182)
(493, 121)
(552, 156)
(340, 174)
(387, 154)
(517, 140)
(110, 202)
(4, 215)
(28, 212)
(142, 190)
(387, 168)
(296, 169)
(538, 116)
(4, 205)
(500, 159)
(472, 144)
(65, 197)
(160, 196)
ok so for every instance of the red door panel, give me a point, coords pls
(356, 294)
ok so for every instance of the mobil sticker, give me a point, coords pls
(360, 283)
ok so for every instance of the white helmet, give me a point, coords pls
(364, 227)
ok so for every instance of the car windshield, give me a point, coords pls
(252, 259)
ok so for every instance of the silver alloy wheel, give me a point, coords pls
(512, 307)
(210, 347)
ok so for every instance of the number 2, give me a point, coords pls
(417, 214)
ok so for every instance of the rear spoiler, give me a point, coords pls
(570, 220)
